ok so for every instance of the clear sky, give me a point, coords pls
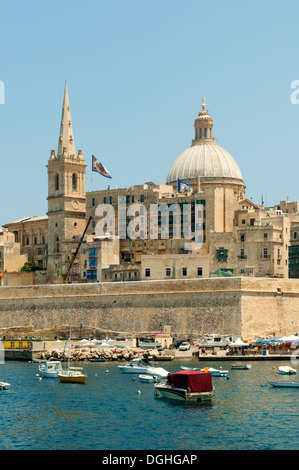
(136, 71)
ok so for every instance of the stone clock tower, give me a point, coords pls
(66, 199)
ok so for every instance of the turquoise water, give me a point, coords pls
(108, 413)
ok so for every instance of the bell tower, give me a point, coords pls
(66, 197)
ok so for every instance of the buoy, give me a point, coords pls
(107, 371)
(275, 375)
(40, 378)
(96, 375)
(139, 391)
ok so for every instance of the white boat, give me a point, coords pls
(286, 370)
(240, 366)
(141, 366)
(147, 378)
(285, 384)
(50, 369)
(4, 386)
(214, 372)
(187, 385)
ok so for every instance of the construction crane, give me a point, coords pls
(76, 252)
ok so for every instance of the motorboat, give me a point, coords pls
(50, 369)
(4, 386)
(187, 385)
(286, 370)
(214, 372)
(142, 366)
(147, 378)
(240, 366)
(285, 384)
(72, 375)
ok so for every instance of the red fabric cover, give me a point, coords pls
(191, 380)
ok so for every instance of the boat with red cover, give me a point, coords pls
(187, 385)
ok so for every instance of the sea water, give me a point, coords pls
(114, 411)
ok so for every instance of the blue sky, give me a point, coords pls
(136, 72)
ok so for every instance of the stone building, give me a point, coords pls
(159, 231)
(11, 259)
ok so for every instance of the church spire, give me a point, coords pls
(66, 139)
(203, 125)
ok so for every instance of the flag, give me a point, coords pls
(57, 269)
(99, 168)
(0, 273)
(182, 186)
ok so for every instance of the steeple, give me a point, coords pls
(66, 140)
(203, 126)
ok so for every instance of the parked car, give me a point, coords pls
(184, 346)
(177, 344)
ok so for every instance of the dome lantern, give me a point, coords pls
(203, 125)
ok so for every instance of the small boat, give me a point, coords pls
(141, 366)
(4, 386)
(49, 369)
(286, 370)
(285, 384)
(147, 378)
(240, 366)
(72, 375)
(187, 385)
(214, 372)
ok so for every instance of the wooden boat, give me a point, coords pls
(187, 385)
(240, 366)
(285, 384)
(50, 369)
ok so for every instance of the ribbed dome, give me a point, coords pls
(205, 159)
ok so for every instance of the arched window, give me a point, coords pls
(205, 132)
(200, 133)
(74, 181)
(57, 182)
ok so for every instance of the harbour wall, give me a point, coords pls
(247, 307)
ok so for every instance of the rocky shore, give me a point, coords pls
(103, 354)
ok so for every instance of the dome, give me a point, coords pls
(207, 160)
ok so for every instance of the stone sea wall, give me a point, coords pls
(247, 307)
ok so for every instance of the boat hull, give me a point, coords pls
(68, 378)
(180, 394)
(285, 384)
(4, 386)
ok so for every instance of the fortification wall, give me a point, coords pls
(243, 306)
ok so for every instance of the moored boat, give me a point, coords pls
(187, 385)
(141, 366)
(240, 366)
(72, 375)
(214, 372)
(285, 384)
(50, 369)
(286, 370)
(147, 378)
(4, 386)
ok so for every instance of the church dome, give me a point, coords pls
(205, 159)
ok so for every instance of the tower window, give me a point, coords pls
(205, 132)
(57, 182)
(74, 181)
(57, 244)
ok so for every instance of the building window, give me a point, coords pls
(147, 272)
(74, 181)
(168, 272)
(142, 198)
(93, 201)
(57, 244)
(105, 200)
(184, 271)
(222, 254)
(57, 182)
(199, 271)
(265, 253)
(265, 235)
